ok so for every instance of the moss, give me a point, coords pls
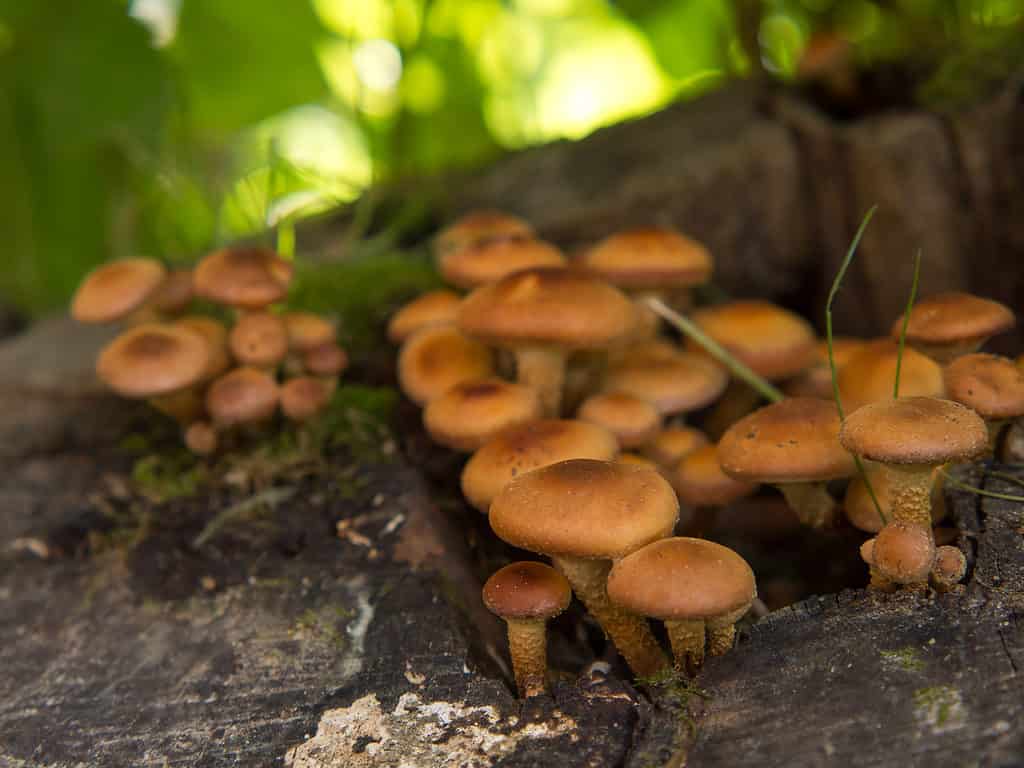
(937, 704)
(326, 624)
(162, 477)
(673, 686)
(906, 658)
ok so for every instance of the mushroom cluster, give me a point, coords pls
(212, 377)
(586, 424)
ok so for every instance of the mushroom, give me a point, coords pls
(528, 446)
(433, 308)
(114, 291)
(472, 413)
(174, 294)
(694, 586)
(949, 568)
(526, 595)
(683, 383)
(153, 359)
(794, 445)
(901, 554)
(583, 514)
(479, 226)
(672, 444)
(243, 396)
(306, 330)
(325, 360)
(488, 261)
(637, 460)
(633, 420)
(947, 325)
(860, 510)
(911, 436)
(701, 484)
(542, 314)
(816, 381)
(244, 278)
(201, 438)
(304, 397)
(435, 359)
(870, 373)
(990, 385)
(259, 339)
(216, 337)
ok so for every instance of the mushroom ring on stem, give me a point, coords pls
(584, 514)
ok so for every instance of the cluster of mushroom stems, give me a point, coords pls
(556, 376)
(220, 373)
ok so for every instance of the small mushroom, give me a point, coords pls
(243, 396)
(816, 381)
(201, 438)
(304, 397)
(684, 383)
(325, 360)
(949, 568)
(672, 444)
(472, 413)
(244, 278)
(990, 385)
(694, 586)
(583, 514)
(259, 339)
(216, 337)
(947, 325)
(633, 420)
(901, 554)
(306, 331)
(174, 294)
(869, 374)
(702, 485)
(526, 595)
(152, 360)
(433, 308)
(479, 226)
(490, 260)
(435, 359)
(113, 291)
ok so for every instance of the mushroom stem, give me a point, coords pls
(687, 639)
(910, 493)
(631, 634)
(184, 406)
(995, 428)
(527, 644)
(812, 503)
(722, 631)
(543, 368)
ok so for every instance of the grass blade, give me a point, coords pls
(906, 319)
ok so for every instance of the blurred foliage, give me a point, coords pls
(165, 127)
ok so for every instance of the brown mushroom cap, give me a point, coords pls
(259, 339)
(903, 553)
(477, 226)
(115, 290)
(915, 430)
(525, 447)
(795, 440)
(682, 578)
(547, 306)
(435, 359)
(243, 396)
(687, 382)
(637, 460)
(325, 360)
(868, 375)
(307, 330)
(246, 278)
(472, 413)
(700, 481)
(433, 308)
(216, 337)
(989, 384)
(673, 443)
(816, 381)
(633, 420)
(304, 397)
(527, 590)
(490, 260)
(153, 359)
(649, 258)
(200, 438)
(948, 318)
(174, 294)
(585, 508)
(650, 350)
(950, 565)
(772, 341)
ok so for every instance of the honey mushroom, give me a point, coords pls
(869, 374)
(991, 386)
(902, 554)
(245, 396)
(816, 381)
(113, 291)
(243, 278)
(674, 385)
(672, 444)
(259, 340)
(701, 484)
(794, 445)
(695, 586)
(435, 359)
(488, 261)
(472, 413)
(173, 295)
(947, 325)
(527, 595)
(432, 308)
(542, 314)
(633, 420)
(583, 514)
(479, 226)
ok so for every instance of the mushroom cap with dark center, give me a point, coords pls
(115, 290)
(700, 481)
(771, 341)
(307, 330)
(474, 412)
(673, 443)
(527, 590)
(242, 396)
(525, 447)
(649, 258)
(259, 338)
(477, 226)
(915, 430)
(585, 508)
(687, 382)
(682, 578)
(633, 420)
(435, 359)
(869, 374)
(553, 306)
(904, 552)
(247, 278)
(304, 397)
(153, 359)
(989, 384)
(490, 260)
(325, 359)
(948, 318)
(794, 440)
(433, 308)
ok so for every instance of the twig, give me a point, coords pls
(271, 497)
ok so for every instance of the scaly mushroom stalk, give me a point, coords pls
(542, 367)
(687, 639)
(527, 644)
(722, 631)
(911, 493)
(812, 503)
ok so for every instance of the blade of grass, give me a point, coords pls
(270, 497)
(978, 491)
(831, 353)
(906, 319)
(713, 348)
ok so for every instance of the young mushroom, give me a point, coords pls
(173, 295)
(990, 385)
(243, 278)
(947, 325)
(901, 554)
(259, 339)
(490, 260)
(672, 444)
(869, 374)
(473, 413)
(633, 420)
(480, 226)
(678, 385)
(794, 445)
(435, 359)
(433, 308)
(583, 514)
(816, 381)
(695, 586)
(243, 396)
(949, 568)
(542, 314)
(114, 291)
(201, 438)
(527, 595)
(304, 397)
